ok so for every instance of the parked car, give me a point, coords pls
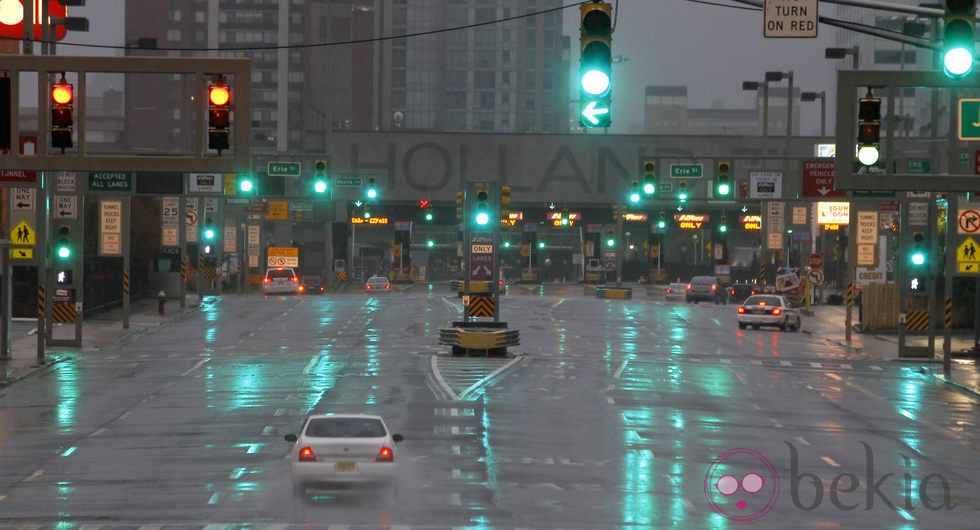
(738, 292)
(376, 284)
(280, 280)
(768, 310)
(675, 291)
(342, 449)
(704, 288)
(311, 285)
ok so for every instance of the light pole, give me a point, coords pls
(754, 87)
(822, 96)
(840, 53)
(773, 77)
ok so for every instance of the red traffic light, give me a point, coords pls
(219, 95)
(62, 93)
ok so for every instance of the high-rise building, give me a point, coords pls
(435, 65)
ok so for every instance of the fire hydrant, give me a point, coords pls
(162, 301)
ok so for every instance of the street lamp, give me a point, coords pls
(840, 53)
(754, 87)
(822, 96)
(774, 77)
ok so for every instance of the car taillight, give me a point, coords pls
(306, 455)
(301, 288)
(385, 455)
(669, 291)
(294, 279)
(688, 287)
(776, 311)
(741, 310)
(369, 287)
(714, 287)
(388, 286)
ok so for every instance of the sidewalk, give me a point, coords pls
(97, 332)
(828, 322)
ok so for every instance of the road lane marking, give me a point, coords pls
(830, 461)
(619, 371)
(195, 367)
(802, 440)
(34, 476)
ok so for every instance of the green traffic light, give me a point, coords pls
(723, 228)
(246, 185)
(634, 197)
(320, 186)
(209, 233)
(661, 225)
(868, 155)
(64, 251)
(541, 244)
(649, 188)
(430, 243)
(918, 258)
(724, 189)
(611, 242)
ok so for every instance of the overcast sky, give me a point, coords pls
(709, 47)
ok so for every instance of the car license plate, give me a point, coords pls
(759, 311)
(346, 467)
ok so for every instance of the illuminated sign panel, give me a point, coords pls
(630, 217)
(750, 222)
(690, 221)
(833, 213)
(369, 221)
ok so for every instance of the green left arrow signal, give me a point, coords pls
(594, 116)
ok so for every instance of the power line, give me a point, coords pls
(321, 44)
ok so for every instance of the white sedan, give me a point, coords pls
(768, 310)
(342, 449)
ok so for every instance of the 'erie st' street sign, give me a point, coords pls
(686, 171)
(969, 119)
(284, 169)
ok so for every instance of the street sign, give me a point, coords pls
(815, 276)
(282, 257)
(23, 234)
(347, 181)
(968, 219)
(815, 260)
(818, 179)
(284, 169)
(790, 18)
(23, 199)
(967, 260)
(766, 185)
(278, 210)
(64, 207)
(481, 257)
(110, 181)
(969, 119)
(688, 171)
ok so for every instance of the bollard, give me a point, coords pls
(162, 300)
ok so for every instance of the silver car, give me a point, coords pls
(675, 291)
(768, 310)
(280, 280)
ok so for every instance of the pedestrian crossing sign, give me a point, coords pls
(967, 260)
(23, 234)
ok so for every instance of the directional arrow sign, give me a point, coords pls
(592, 113)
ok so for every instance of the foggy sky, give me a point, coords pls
(710, 48)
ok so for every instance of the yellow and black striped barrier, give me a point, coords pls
(916, 320)
(850, 295)
(481, 306)
(126, 282)
(481, 341)
(341, 276)
(948, 318)
(183, 270)
(40, 301)
(63, 313)
(210, 273)
(254, 278)
(610, 292)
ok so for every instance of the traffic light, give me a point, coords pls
(459, 207)
(481, 214)
(615, 213)
(62, 121)
(610, 238)
(427, 213)
(321, 174)
(246, 184)
(649, 168)
(960, 19)
(372, 188)
(209, 231)
(505, 207)
(723, 179)
(541, 244)
(682, 191)
(662, 220)
(869, 129)
(62, 246)
(219, 115)
(723, 223)
(563, 220)
(430, 243)
(918, 262)
(635, 192)
(918, 254)
(595, 69)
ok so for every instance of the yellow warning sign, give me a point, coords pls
(278, 210)
(23, 234)
(968, 257)
(21, 253)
